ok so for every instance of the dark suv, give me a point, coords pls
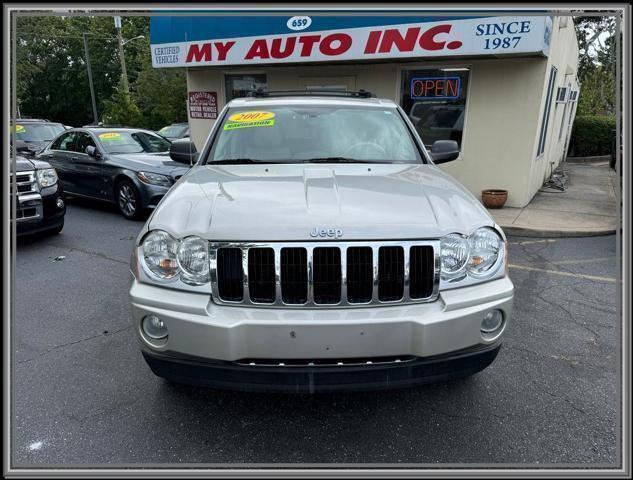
(40, 205)
(35, 134)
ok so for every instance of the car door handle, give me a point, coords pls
(74, 158)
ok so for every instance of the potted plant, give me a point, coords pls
(494, 198)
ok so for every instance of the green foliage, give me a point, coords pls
(596, 64)
(161, 94)
(52, 79)
(121, 109)
(592, 135)
(597, 94)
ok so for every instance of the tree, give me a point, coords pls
(121, 109)
(52, 80)
(596, 64)
(161, 94)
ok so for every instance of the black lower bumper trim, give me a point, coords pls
(231, 376)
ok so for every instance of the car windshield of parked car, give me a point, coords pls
(38, 132)
(173, 131)
(133, 142)
(311, 133)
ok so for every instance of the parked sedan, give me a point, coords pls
(125, 166)
(175, 131)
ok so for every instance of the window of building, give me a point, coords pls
(237, 86)
(435, 101)
(548, 104)
(568, 106)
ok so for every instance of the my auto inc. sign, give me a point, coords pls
(242, 40)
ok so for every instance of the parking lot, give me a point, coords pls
(82, 394)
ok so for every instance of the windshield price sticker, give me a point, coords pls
(250, 119)
(110, 136)
(20, 129)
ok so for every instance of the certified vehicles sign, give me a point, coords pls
(242, 40)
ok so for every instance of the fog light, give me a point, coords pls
(492, 321)
(60, 203)
(154, 327)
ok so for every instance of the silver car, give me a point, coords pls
(316, 247)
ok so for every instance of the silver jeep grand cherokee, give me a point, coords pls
(315, 247)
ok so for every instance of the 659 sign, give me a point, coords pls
(299, 23)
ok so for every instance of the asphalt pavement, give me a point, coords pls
(82, 394)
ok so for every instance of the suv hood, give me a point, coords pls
(23, 164)
(284, 202)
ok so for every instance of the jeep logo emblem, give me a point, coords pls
(326, 232)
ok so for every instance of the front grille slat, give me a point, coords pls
(230, 274)
(294, 275)
(360, 282)
(325, 274)
(326, 265)
(261, 275)
(421, 262)
(390, 274)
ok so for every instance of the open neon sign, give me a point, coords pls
(435, 88)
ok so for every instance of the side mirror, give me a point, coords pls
(21, 146)
(183, 150)
(92, 151)
(443, 151)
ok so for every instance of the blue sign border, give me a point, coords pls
(459, 88)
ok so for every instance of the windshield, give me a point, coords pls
(173, 131)
(309, 133)
(133, 142)
(38, 132)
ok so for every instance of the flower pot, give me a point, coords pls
(493, 198)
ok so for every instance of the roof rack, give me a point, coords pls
(29, 119)
(259, 93)
(104, 125)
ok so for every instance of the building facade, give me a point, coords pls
(505, 88)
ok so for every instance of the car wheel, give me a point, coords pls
(128, 200)
(57, 229)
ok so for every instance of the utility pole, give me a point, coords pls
(117, 24)
(92, 88)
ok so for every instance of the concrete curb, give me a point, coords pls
(545, 233)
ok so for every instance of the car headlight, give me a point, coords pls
(485, 247)
(46, 177)
(471, 259)
(158, 255)
(193, 259)
(454, 254)
(154, 179)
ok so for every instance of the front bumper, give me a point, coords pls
(203, 330)
(151, 195)
(322, 379)
(38, 212)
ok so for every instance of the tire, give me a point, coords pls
(128, 200)
(58, 229)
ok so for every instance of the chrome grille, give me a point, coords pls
(25, 182)
(325, 274)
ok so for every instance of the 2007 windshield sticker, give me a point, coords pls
(110, 136)
(250, 119)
